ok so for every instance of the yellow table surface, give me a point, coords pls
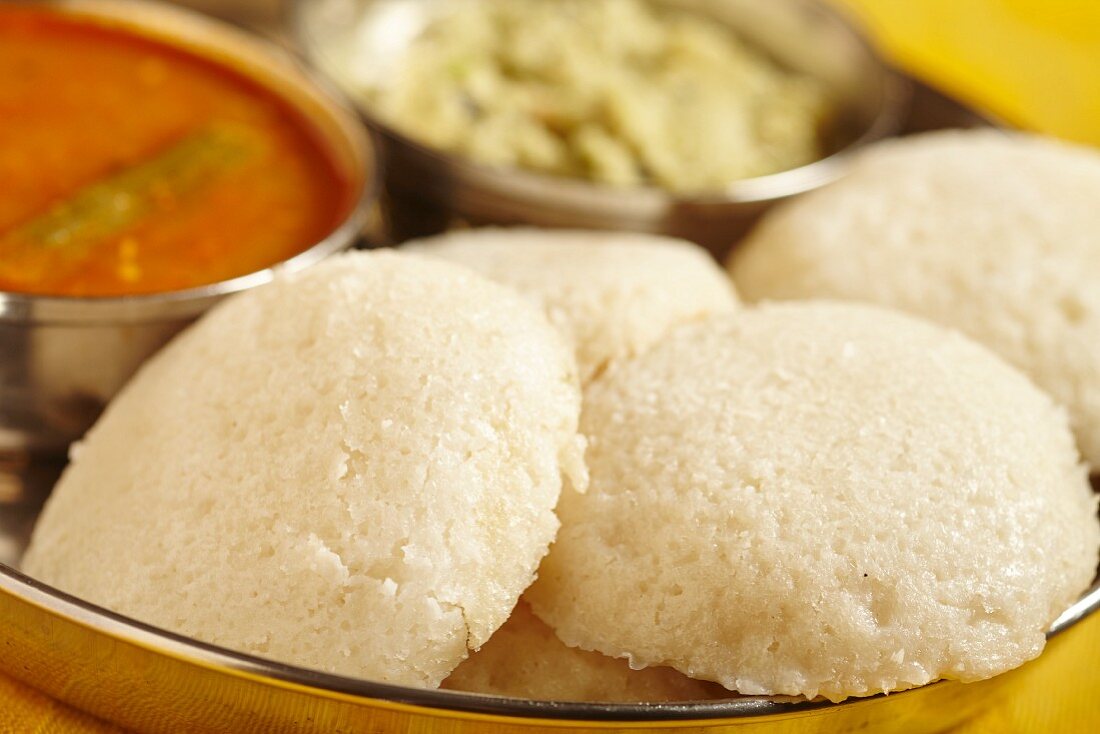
(1034, 63)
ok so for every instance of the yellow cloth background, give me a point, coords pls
(1036, 64)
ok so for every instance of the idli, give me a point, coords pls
(524, 659)
(613, 294)
(995, 234)
(352, 469)
(820, 499)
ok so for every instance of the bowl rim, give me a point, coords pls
(896, 91)
(439, 701)
(171, 305)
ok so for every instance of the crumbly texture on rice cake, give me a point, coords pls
(820, 499)
(352, 469)
(994, 234)
(524, 659)
(614, 294)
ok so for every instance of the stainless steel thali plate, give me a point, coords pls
(147, 679)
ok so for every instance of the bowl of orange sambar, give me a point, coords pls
(154, 161)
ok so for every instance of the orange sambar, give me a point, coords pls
(131, 166)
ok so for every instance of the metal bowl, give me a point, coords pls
(429, 189)
(150, 680)
(61, 358)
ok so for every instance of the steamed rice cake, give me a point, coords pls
(353, 469)
(820, 499)
(614, 294)
(524, 659)
(995, 234)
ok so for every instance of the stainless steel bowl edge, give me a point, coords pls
(62, 358)
(429, 190)
(152, 680)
